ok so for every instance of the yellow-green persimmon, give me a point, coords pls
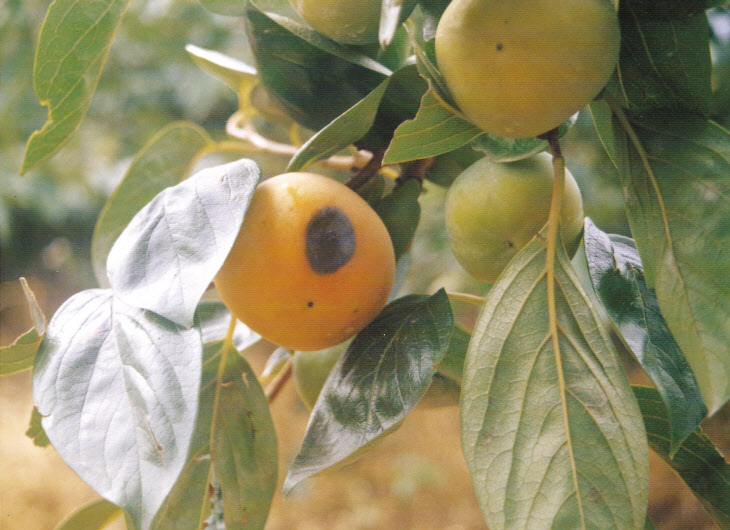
(343, 21)
(312, 264)
(519, 68)
(493, 210)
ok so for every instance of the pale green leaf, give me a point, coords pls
(92, 516)
(74, 42)
(164, 161)
(223, 67)
(552, 437)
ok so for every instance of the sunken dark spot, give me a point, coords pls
(330, 240)
(499, 46)
(310, 304)
(510, 244)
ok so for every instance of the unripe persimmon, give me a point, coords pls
(343, 21)
(493, 210)
(519, 68)
(312, 264)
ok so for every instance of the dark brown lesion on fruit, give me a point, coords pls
(310, 304)
(499, 46)
(330, 240)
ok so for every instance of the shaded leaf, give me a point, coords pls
(452, 364)
(245, 448)
(215, 318)
(117, 387)
(400, 212)
(73, 44)
(245, 458)
(92, 516)
(376, 383)
(674, 174)
(172, 249)
(164, 161)
(618, 280)
(697, 461)
(551, 432)
(314, 84)
(664, 62)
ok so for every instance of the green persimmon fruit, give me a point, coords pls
(312, 263)
(493, 210)
(343, 21)
(311, 369)
(519, 68)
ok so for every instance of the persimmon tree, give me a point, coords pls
(143, 384)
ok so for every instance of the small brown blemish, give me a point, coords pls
(310, 304)
(499, 46)
(510, 244)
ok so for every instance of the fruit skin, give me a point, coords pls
(519, 68)
(493, 210)
(300, 291)
(343, 21)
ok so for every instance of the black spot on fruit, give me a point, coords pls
(499, 46)
(330, 240)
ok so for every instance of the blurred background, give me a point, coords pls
(416, 478)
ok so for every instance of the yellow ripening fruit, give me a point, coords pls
(519, 68)
(343, 21)
(312, 264)
(493, 210)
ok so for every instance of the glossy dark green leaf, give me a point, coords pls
(664, 63)
(618, 280)
(314, 84)
(172, 249)
(700, 465)
(164, 161)
(550, 429)
(74, 42)
(674, 172)
(400, 212)
(117, 387)
(376, 383)
(91, 516)
(452, 364)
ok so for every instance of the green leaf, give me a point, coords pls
(452, 364)
(164, 161)
(231, 71)
(74, 42)
(94, 515)
(664, 63)
(436, 129)
(215, 318)
(552, 436)
(603, 122)
(344, 130)
(117, 387)
(618, 280)
(247, 448)
(314, 84)
(166, 257)
(20, 354)
(35, 430)
(674, 175)
(375, 384)
(697, 462)
(243, 448)
(400, 212)
(392, 14)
